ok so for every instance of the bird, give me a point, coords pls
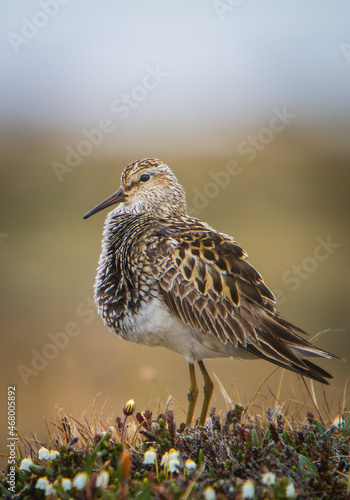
(167, 279)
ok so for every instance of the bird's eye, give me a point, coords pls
(145, 177)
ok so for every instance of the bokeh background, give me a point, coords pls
(196, 84)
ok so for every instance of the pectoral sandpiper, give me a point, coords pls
(167, 279)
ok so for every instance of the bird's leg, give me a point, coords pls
(192, 395)
(208, 391)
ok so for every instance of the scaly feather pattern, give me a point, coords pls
(165, 278)
(208, 284)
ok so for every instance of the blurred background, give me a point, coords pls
(248, 103)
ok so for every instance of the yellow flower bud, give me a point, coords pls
(129, 407)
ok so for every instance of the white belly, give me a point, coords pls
(154, 325)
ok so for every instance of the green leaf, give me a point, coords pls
(39, 469)
(308, 467)
(267, 434)
(19, 454)
(275, 412)
(238, 410)
(91, 460)
(48, 472)
(200, 458)
(5, 491)
(255, 439)
(62, 494)
(145, 494)
(319, 427)
(287, 438)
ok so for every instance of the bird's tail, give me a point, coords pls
(279, 342)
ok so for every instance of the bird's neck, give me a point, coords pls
(121, 229)
(113, 284)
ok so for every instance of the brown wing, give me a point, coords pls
(207, 282)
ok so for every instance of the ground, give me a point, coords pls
(234, 456)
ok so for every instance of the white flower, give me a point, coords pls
(50, 490)
(269, 478)
(44, 453)
(248, 490)
(42, 483)
(165, 459)
(190, 465)
(25, 464)
(209, 493)
(174, 465)
(102, 480)
(155, 427)
(150, 456)
(66, 484)
(80, 480)
(170, 460)
(173, 454)
(290, 490)
(54, 454)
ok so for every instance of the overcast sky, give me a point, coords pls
(215, 65)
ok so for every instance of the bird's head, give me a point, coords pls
(147, 186)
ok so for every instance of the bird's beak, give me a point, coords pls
(117, 197)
